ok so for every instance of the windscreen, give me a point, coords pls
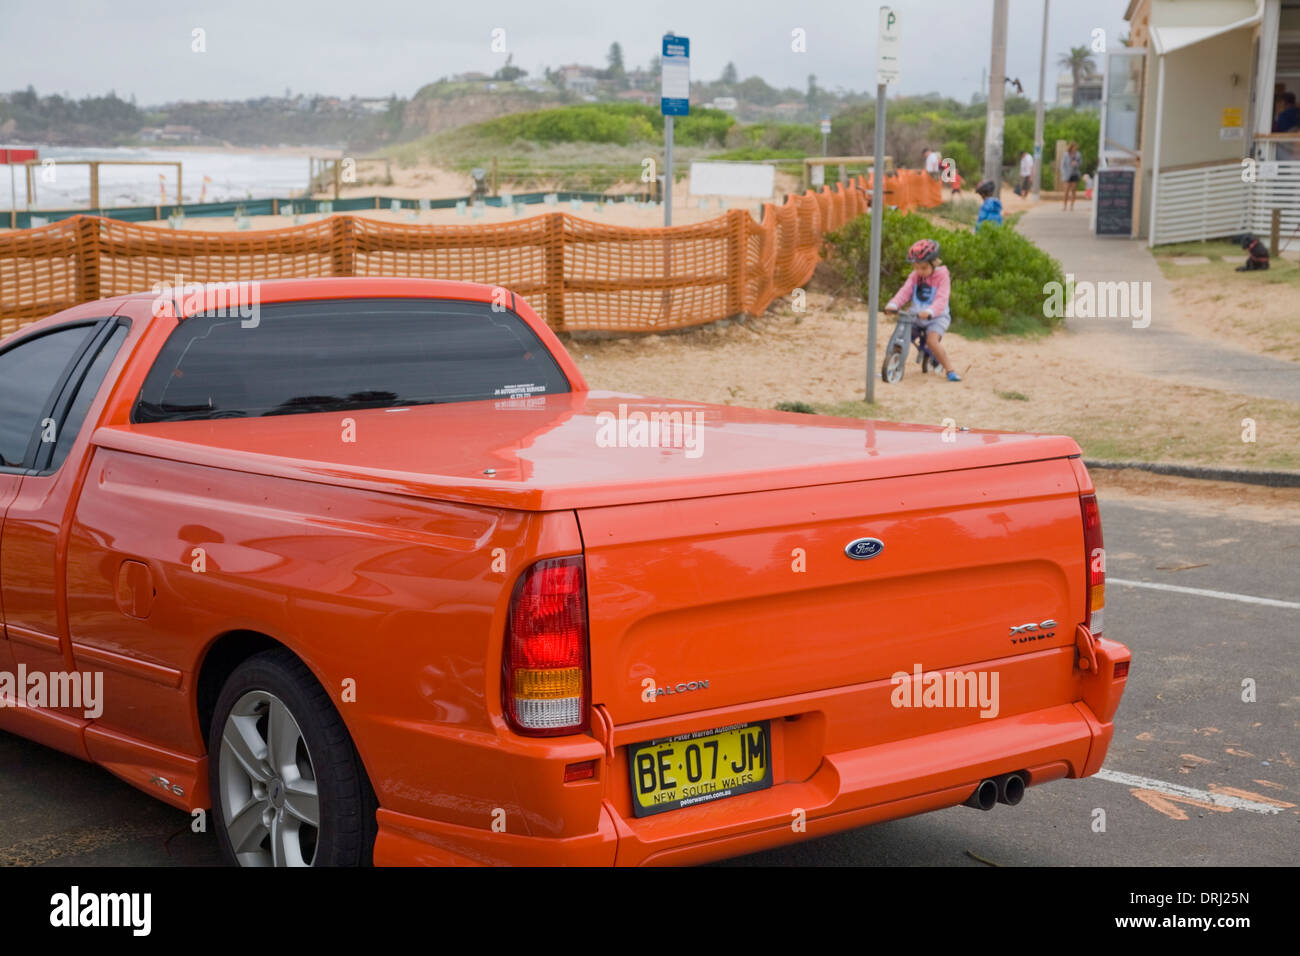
(324, 356)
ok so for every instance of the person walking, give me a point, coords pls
(932, 163)
(1026, 173)
(1071, 172)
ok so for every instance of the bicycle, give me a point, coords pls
(896, 349)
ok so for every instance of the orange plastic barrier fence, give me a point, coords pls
(578, 274)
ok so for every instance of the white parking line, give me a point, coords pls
(1225, 595)
(1177, 790)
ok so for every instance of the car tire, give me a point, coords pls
(287, 785)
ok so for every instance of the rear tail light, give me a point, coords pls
(547, 683)
(1094, 555)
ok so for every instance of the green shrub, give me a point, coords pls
(997, 274)
(918, 121)
(620, 123)
(802, 407)
(964, 211)
(754, 154)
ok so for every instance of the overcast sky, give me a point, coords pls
(378, 47)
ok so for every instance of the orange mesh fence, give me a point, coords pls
(40, 273)
(578, 274)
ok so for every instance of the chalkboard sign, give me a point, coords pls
(1114, 199)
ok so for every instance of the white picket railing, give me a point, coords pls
(1280, 192)
(1211, 202)
(1206, 202)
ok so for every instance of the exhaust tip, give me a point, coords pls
(1011, 789)
(985, 795)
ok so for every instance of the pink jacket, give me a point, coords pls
(933, 294)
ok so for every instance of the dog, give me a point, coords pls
(1256, 250)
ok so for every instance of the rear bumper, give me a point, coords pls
(847, 789)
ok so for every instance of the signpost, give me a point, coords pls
(674, 100)
(826, 131)
(888, 48)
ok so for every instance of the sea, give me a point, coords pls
(231, 176)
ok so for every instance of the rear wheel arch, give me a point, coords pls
(222, 656)
(226, 652)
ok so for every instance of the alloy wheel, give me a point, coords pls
(267, 784)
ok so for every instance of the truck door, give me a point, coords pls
(47, 384)
(10, 478)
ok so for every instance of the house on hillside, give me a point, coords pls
(535, 84)
(642, 79)
(171, 133)
(1089, 91)
(1188, 113)
(578, 78)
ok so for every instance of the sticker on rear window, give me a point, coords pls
(521, 389)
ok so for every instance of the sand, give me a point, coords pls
(1061, 383)
(614, 214)
(1261, 316)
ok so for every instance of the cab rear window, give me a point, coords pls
(323, 356)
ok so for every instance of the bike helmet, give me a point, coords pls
(923, 250)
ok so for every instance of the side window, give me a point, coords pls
(86, 392)
(29, 373)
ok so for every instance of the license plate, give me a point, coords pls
(697, 768)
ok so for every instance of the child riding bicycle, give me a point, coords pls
(925, 293)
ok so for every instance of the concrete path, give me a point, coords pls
(1161, 349)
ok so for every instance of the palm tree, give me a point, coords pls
(1079, 62)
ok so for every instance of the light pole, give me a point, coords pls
(889, 46)
(1038, 115)
(997, 96)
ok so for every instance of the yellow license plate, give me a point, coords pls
(697, 768)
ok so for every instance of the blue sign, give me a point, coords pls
(675, 72)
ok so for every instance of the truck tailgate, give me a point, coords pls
(748, 597)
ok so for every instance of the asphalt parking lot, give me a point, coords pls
(1195, 776)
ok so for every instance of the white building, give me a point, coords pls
(1089, 91)
(1189, 108)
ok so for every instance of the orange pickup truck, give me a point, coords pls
(363, 569)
